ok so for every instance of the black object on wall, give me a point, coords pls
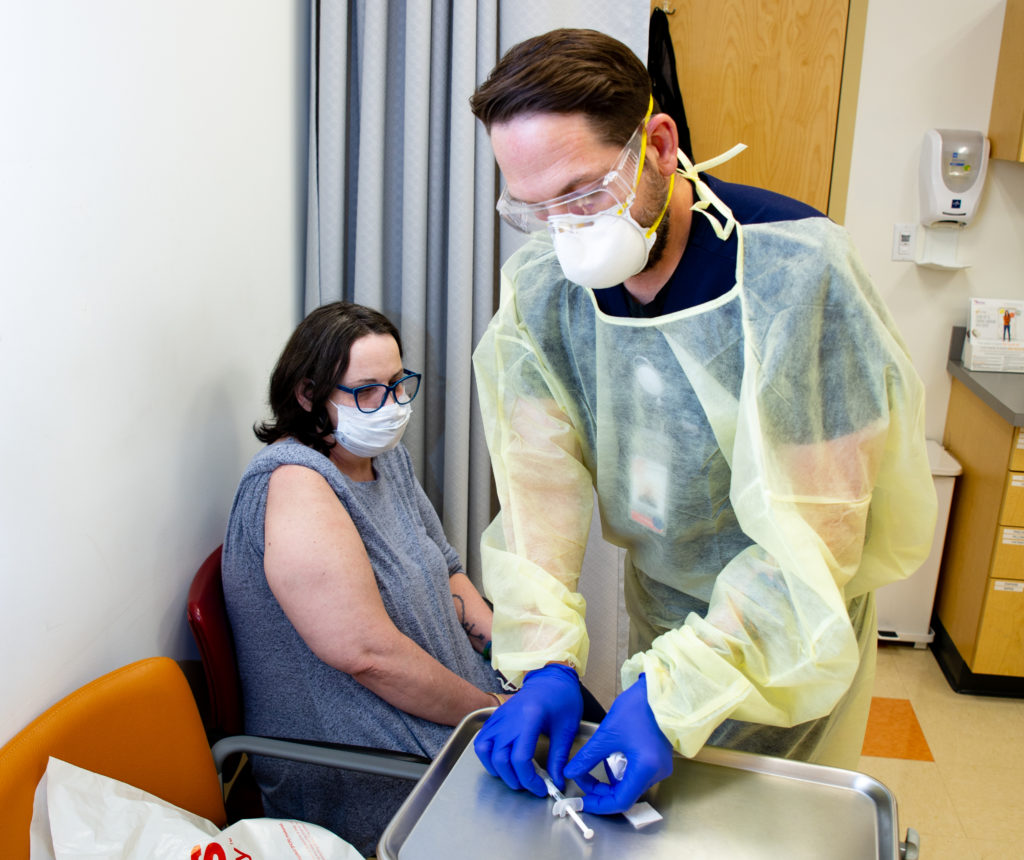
(661, 66)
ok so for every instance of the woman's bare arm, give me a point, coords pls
(318, 569)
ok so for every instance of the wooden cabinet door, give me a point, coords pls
(1001, 637)
(1017, 454)
(1008, 555)
(1006, 123)
(1012, 511)
(766, 73)
(981, 441)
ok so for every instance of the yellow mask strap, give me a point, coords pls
(643, 143)
(643, 160)
(668, 199)
(643, 153)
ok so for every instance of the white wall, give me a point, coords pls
(152, 175)
(931, 64)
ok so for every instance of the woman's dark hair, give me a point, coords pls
(568, 71)
(314, 361)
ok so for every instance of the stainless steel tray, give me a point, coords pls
(719, 804)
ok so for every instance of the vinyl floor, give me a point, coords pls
(955, 763)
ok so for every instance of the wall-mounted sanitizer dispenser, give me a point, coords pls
(953, 165)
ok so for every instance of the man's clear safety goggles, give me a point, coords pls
(614, 192)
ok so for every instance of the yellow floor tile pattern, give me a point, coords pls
(967, 803)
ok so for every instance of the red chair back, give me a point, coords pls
(208, 619)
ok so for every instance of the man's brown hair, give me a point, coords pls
(568, 71)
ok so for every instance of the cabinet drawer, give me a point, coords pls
(1012, 511)
(1008, 558)
(1017, 451)
(1000, 649)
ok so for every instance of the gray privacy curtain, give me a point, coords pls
(402, 187)
(401, 214)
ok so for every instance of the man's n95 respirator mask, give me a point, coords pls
(606, 250)
(597, 240)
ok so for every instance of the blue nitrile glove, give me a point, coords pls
(629, 728)
(549, 703)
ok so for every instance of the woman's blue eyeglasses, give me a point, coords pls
(370, 398)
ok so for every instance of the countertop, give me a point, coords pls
(1004, 392)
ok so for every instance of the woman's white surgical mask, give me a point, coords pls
(367, 434)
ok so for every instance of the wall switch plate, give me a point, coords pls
(904, 242)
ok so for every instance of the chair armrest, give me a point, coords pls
(362, 759)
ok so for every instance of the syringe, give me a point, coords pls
(566, 805)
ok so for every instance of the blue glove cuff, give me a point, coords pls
(552, 669)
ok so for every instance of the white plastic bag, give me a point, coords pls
(78, 813)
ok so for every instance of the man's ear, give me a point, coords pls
(303, 393)
(663, 142)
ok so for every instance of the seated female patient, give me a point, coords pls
(352, 618)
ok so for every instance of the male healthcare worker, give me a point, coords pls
(714, 360)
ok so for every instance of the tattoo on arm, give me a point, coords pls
(460, 610)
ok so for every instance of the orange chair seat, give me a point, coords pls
(138, 724)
